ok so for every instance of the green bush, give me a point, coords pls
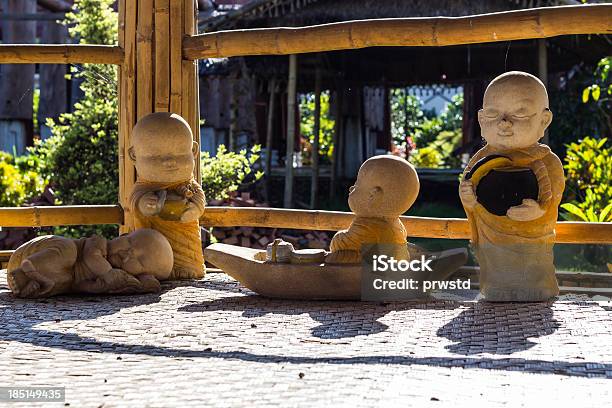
(81, 157)
(227, 171)
(19, 180)
(588, 167)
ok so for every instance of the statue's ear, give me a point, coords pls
(547, 117)
(376, 196)
(132, 153)
(195, 148)
(480, 116)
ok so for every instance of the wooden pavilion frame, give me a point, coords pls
(157, 61)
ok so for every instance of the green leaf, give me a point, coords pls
(606, 213)
(585, 94)
(574, 210)
(596, 92)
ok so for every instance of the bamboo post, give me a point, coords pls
(269, 134)
(336, 139)
(291, 95)
(144, 67)
(543, 72)
(162, 55)
(314, 185)
(176, 70)
(190, 82)
(127, 105)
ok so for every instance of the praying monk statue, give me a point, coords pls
(386, 187)
(166, 197)
(511, 190)
(52, 265)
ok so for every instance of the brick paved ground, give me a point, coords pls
(213, 343)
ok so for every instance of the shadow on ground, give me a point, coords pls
(481, 328)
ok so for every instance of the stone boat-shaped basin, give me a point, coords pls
(307, 281)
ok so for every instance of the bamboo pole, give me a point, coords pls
(190, 82)
(162, 56)
(291, 95)
(314, 184)
(543, 72)
(448, 228)
(144, 50)
(61, 215)
(270, 127)
(60, 54)
(542, 22)
(127, 106)
(176, 68)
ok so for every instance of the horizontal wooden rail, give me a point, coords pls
(61, 215)
(60, 54)
(449, 228)
(431, 31)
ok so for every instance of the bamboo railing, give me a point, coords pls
(60, 54)
(422, 227)
(175, 86)
(414, 32)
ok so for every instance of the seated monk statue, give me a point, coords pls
(513, 241)
(52, 265)
(166, 197)
(386, 187)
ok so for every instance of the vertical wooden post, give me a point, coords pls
(162, 55)
(336, 139)
(270, 127)
(154, 76)
(291, 96)
(145, 60)
(314, 185)
(543, 71)
(127, 105)
(269, 135)
(190, 83)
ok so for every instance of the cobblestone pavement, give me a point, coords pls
(214, 343)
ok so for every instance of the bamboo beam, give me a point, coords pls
(448, 228)
(61, 215)
(60, 54)
(414, 32)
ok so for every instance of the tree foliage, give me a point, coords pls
(227, 171)
(326, 134)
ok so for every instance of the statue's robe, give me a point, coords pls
(516, 257)
(184, 237)
(70, 266)
(388, 234)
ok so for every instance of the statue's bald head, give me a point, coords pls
(154, 252)
(386, 186)
(514, 112)
(162, 148)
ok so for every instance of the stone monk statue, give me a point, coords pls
(386, 187)
(52, 265)
(512, 206)
(166, 197)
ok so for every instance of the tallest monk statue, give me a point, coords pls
(511, 190)
(166, 196)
